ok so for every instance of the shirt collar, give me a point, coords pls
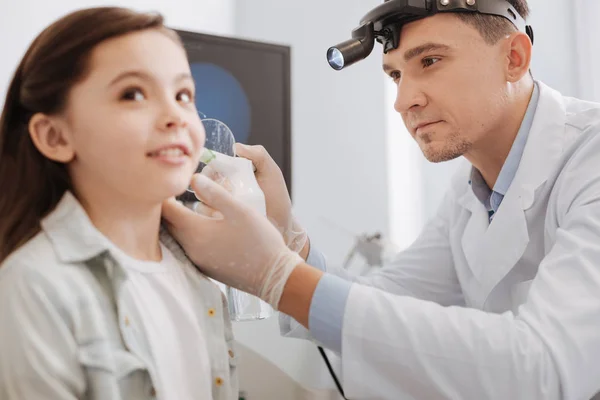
(511, 164)
(75, 238)
(71, 232)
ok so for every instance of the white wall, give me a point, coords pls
(339, 172)
(339, 163)
(555, 50)
(21, 21)
(587, 30)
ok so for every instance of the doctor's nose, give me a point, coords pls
(409, 96)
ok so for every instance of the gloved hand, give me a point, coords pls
(236, 175)
(239, 248)
(279, 206)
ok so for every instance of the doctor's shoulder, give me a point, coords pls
(578, 173)
(582, 129)
(583, 117)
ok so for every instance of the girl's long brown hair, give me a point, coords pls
(30, 184)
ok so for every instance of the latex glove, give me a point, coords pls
(279, 204)
(236, 175)
(241, 248)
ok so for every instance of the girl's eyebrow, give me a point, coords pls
(145, 76)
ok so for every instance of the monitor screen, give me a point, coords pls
(246, 85)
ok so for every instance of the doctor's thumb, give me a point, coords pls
(243, 150)
(214, 195)
(176, 215)
(257, 154)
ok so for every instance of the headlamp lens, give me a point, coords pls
(335, 58)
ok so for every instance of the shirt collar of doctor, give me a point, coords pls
(509, 169)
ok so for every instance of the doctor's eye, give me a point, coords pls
(429, 61)
(133, 94)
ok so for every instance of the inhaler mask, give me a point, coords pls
(236, 174)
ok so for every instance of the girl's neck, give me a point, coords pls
(131, 225)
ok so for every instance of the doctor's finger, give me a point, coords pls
(257, 154)
(178, 216)
(210, 172)
(215, 196)
(185, 225)
(205, 210)
(218, 177)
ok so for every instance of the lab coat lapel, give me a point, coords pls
(492, 250)
(476, 227)
(505, 240)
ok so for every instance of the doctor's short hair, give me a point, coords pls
(493, 28)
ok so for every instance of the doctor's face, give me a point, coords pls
(451, 86)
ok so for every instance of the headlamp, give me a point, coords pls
(385, 22)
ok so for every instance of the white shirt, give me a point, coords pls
(161, 295)
(69, 325)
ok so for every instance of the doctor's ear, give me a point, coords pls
(49, 136)
(518, 56)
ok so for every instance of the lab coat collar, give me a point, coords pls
(544, 145)
(493, 249)
(543, 148)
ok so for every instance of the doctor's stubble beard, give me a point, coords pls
(453, 147)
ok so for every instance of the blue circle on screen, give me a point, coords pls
(220, 95)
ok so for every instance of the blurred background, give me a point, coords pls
(352, 167)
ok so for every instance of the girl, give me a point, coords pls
(97, 301)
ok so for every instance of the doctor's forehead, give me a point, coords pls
(414, 52)
(439, 33)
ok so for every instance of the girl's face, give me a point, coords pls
(132, 123)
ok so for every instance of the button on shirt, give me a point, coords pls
(331, 295)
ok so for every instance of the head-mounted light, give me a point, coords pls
(385, 22)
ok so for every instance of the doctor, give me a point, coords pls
(499, 297)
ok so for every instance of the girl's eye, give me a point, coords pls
(133, 94)
(185, 96)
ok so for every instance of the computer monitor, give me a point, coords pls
(245, 84)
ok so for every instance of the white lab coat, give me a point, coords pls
(507, 310)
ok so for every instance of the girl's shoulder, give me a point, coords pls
(36, 257)
(35, 271)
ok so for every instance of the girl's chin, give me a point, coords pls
(173, 189)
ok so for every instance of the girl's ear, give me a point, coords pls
(50, 138)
